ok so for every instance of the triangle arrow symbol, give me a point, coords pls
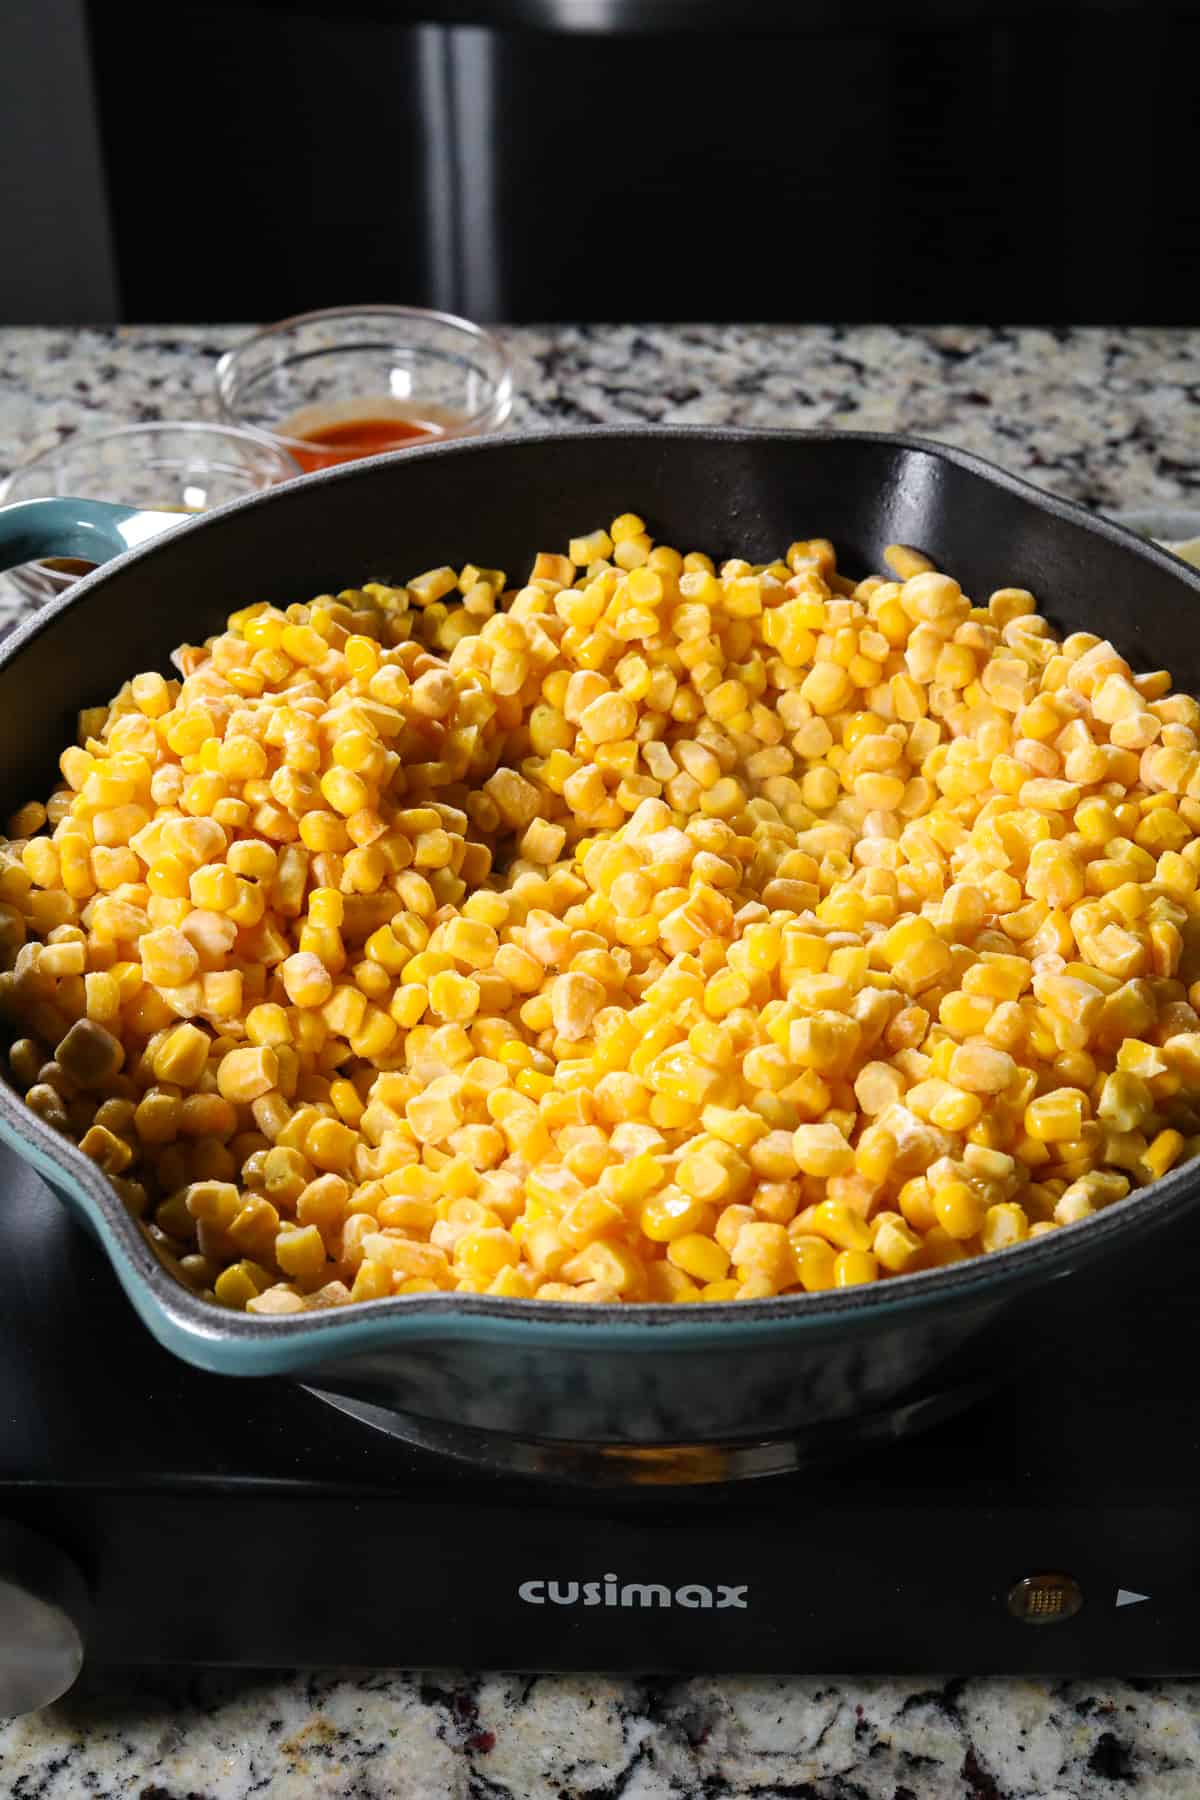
(1126, 1597)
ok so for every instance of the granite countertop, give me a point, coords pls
(1110, 418)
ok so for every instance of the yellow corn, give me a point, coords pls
(652, 931)
(244, 1075)
(821, 1150)
(896, 1246)
(1056, 1116)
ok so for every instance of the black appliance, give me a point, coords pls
(150, 1514)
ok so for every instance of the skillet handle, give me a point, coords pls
(93, 530)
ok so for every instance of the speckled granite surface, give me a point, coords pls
(1111, 418)
(1106, 417)
(437, 1736)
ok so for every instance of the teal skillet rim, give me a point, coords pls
(232, 1343)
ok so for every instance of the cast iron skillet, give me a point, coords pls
(606, 1376)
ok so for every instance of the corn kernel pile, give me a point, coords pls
(651, 932)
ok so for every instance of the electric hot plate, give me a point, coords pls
(151, 1513)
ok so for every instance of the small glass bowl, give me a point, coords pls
(186, 467)
(1176, 528)
(324, 372)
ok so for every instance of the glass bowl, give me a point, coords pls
(172, 467)
(1176, 528)
(353, 381)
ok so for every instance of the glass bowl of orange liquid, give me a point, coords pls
(354, 381)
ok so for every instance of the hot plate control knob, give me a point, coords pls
(42, 1608)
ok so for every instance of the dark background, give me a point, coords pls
(697, 159)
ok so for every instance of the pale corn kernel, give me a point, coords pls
(62, 959)
(981, 1068)
(1125, 1101)
(307, 981)
(168, 957)
(1072, 1206)
(895, 1245)
(877, 1086)
(821, 1150)
(454, 997)
(575, 999)
(102, 997)
(244, 1075)
(763, 1249)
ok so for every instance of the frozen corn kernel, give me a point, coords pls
(245, 1075)
(1004, 1225)
(306, 979)
(1056, 1116)
(169, 959)
(110, 1152)
(180, 1057)
(652, 931)
(842, 1225)
(821, 1150)
(896, 1246)
(981, 1068)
